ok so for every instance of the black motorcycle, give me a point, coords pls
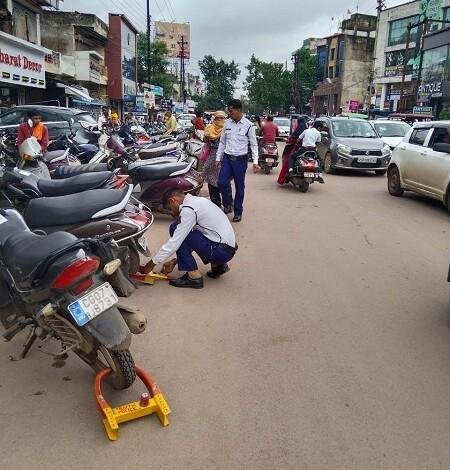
(66, 289)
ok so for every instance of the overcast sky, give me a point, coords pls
(234, 29)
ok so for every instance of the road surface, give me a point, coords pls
(325, 347)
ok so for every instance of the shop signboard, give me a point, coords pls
(149, 99)
(157, 90)
(353, 105)
(430, 90)
(423, 110)
(21, 63)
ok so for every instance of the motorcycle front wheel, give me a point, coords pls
(122, 364)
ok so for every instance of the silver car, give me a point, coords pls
(284, 127)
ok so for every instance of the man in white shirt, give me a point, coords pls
(201, 226)
(309, 137)
(232, 153)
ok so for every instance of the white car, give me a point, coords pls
(421, 162)
(185, 121)
(284, 126)
(391, 132)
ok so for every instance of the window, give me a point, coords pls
(440, 135)
(13, 118)
(25, 23)
(435, 65)
(333, 53)
(398, 30)
(331, 72)
(419, 135)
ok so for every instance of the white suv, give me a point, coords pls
(421, 162)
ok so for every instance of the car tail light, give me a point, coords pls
(76, 272)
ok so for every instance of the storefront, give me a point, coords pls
(434, 88)
(22, 71)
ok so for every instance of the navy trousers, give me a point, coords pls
(209, 252)
(233, 169)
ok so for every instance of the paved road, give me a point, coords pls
(326, 347)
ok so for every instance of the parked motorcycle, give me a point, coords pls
(59, 287)
(268, 157)
(306, 171)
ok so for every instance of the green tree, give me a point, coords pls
(220, 79)
(268, 86)
(307, 76)
(159, 74)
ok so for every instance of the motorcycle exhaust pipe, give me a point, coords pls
(135, 320)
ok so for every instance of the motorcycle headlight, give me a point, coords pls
(344, 150)
(386, 151)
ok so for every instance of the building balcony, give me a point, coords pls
(88, 66)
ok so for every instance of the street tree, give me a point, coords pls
(268, 85)
(307, 76)
(159, 74)
(220, 79)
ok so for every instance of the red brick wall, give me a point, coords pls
(113, 58)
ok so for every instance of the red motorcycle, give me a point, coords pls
(306, 171)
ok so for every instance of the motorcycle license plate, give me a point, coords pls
(309, 175)
(367, 159)
(93, 304)
(270, 160)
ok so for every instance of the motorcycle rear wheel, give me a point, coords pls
(267, 170)
(122, 364)
(303, 188)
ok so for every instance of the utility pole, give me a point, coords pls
(405, 64)
(295, 81)
(182, 44)
(149, 74)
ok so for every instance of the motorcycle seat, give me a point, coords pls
(67, 171)
(74, 184)
(24, 251)
(73, 209)
(157, 171)
(51, 155)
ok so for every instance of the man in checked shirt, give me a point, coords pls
(238, 134)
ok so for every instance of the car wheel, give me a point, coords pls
(394, 186)
(380, 172)
(327, 165)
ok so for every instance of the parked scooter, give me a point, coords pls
(306, 171)
(152, 181)
(58, 287)
(98, 213)
(268, 157)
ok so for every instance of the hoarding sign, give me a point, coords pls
(353, 105)
(423, 110)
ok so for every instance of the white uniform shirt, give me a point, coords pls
(198, 213)
(102, 120)
(235, 139)
(310, 137)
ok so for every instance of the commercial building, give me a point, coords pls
(345, 64)
(390, 49)
(434, 88)
(121, 54)
(78, 77)
(312, 44)
(22, 56)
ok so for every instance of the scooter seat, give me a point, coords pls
(67, 171)
(74, 184)
(51, 155)
(24, 251)
(69, 210)
(139, 172)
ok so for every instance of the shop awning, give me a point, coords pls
(72, 91)
(89, 103)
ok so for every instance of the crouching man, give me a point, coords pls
(200, 227)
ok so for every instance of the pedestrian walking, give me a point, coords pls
(211, 137)
(238, 135)
(200, 227)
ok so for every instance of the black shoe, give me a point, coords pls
(218, 271)
(186, 281)
(237, 218)
(227, 209)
